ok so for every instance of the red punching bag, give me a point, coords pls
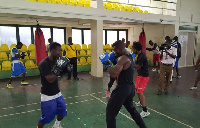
(142, 40)
(40, 48)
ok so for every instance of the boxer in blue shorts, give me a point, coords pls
(17, 67)
(52, 101)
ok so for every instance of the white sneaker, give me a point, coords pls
(158, 71)
(144, 114)
(57, 127)
(138, 103)
(153, 69)
(193, 88)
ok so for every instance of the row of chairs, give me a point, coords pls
(122, 7)
(6, 65)
(4, 56)
(29, 64)
(84, 61)
(81, 3)
(31, 47)
(5, 48)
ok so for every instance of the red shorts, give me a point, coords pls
(156, 57)
(141, 83)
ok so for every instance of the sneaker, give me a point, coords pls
(9, 86)
(179, 76)
(144, 114)
(57, 127)
(107, 94)
(76, 78)
(138, 104)
(153, 69)
(193, 88)
(24, 83)
(158, 71)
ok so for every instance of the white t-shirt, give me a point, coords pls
(168, 59)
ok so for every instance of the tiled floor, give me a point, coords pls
(86, 103)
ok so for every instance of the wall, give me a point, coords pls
(154, 32)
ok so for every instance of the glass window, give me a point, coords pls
(46, 33)
(122, 34)
(76, 36)
(25, 35)
(58, 35)
(111, 37)
(8, 35)
(87, 37)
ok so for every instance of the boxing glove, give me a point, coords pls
(104, 58)
(23, 55)
(134, 55)
(62, 66)
(113, 58)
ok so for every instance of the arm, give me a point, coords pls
(174, 53)
(51, 78)
(46, 72)
(114, 72)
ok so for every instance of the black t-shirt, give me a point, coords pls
(46, 66)
(142, 61)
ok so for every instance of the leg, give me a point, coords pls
(75, 68)
(40, 125)
(69, 74)
(114, 105)
(112, 80)
(23, 76)
(128, 104)
(196, 81)
(161, 78)
(11, 79)
(142, 99)
(168, 74)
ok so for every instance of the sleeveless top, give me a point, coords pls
(126, 76)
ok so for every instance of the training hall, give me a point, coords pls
(94, 26)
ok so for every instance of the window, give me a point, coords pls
(46, 33)
(8, 35)
(25, 35)
(76, 36)
(122, 34)
(58, 35)
(87, 37)
(111, 37)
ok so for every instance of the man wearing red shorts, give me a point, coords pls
(156, 55)
(142, 78)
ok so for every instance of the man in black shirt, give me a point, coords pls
(124, 92)
(142, 78)
(52, 101)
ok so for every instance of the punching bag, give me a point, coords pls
(40, 48)
(142, 40)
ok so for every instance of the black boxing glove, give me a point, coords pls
(23, 55)
(62, 65)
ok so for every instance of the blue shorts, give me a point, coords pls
(17, 69)
(176, 63)
(52, 108)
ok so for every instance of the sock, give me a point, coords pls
(57, 123)
(144, 109)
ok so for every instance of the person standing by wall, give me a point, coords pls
(175, 39)
(71, 53)
(156, 55)
(168, 54)
(50, 40)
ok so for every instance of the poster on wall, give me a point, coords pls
(183, 39)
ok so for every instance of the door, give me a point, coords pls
(187, 41)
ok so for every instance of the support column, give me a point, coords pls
(96, 47)
(68, 33)
(100, 4)
(176, 28)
